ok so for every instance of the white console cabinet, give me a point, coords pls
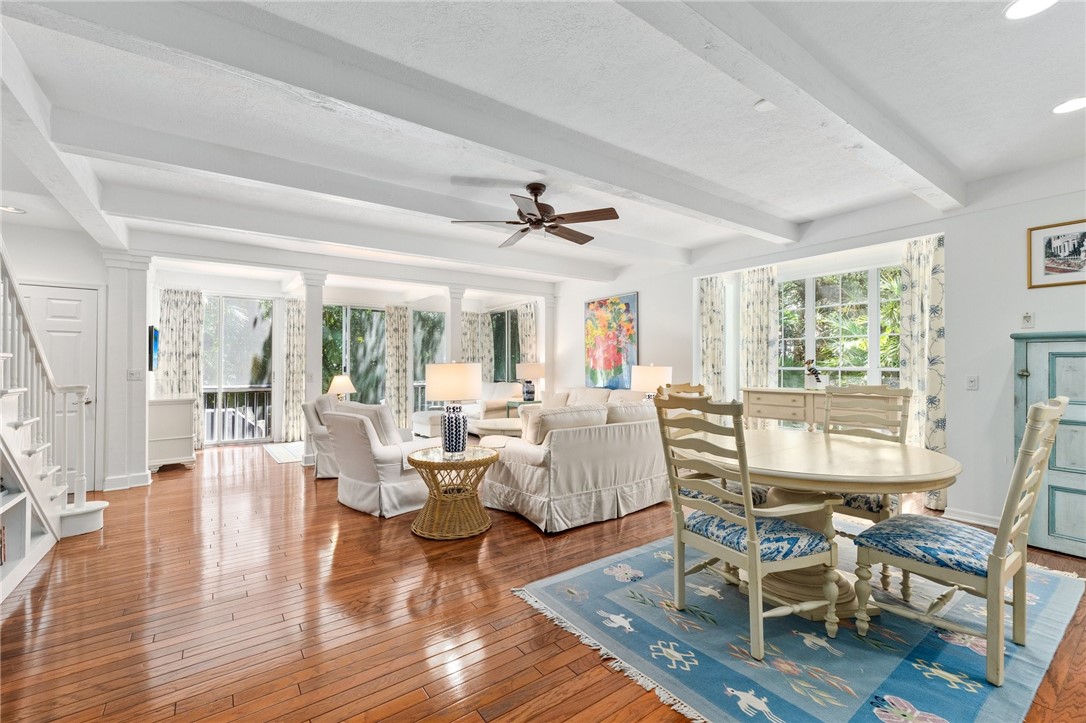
(170, 436)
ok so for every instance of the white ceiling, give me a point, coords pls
(361, 129)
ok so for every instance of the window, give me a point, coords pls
(237, 368)
(506, 344)
(427, 345)
(353, 338)
(837, 320)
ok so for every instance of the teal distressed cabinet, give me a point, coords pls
(1049, 364)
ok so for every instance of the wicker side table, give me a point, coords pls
(453, 508)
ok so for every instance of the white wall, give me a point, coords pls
(67, 258)
(986, 295)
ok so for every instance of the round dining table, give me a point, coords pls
(797, 464)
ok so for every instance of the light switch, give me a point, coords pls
(972, 383)
(1027, 320)
(135, 375)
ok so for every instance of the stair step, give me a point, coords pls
(49, 471)
(58, 491)
(24, 422)
(12, 390)
(37, 450)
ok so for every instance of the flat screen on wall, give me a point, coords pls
(152, 348)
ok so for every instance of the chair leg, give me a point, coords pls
(830, 591)
(863, 594)
(1018, 591)
(885, 577)
(906, 586)
(757, 636)
(680, 573)
(995, 631)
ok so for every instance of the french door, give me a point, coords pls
(237, 361)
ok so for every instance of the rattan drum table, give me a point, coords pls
(453, 508)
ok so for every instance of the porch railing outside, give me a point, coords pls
(237, 415)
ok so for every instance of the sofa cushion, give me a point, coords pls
(552, 400)
(539, 423)
(587, 395)
(621, 412)
(380, 417)
(625, 395)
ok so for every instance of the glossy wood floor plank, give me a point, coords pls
(242, 590)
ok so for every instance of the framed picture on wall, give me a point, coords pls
(1057, 254)
(610, 341)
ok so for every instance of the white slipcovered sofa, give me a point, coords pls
(374, 476)
(427, 423)
(578, 464)
(322, 445)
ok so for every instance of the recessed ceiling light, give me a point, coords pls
(1025, 8)
(11, 209)
(764, 106)
(1070, 106)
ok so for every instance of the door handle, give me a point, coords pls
(85, 402)
(1023, 372)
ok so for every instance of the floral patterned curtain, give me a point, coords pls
(294, 374)
(711, 314)
(758, 322)
(477, 342)
(180, 351)
(526, 325)
(397, 364)
(923, 341)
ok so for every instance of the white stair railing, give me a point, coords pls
(54, 413)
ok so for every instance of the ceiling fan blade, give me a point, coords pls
(517, 236)
(569, 234)
(527, 206)
(599, 214)
(495, 223)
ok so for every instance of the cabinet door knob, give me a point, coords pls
(1023, 372)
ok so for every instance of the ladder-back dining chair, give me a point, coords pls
(876, 412)
(965, 557)
(699, 436)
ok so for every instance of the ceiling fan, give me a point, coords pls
(536, 216)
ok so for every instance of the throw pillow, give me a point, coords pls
(380, 417)
(620, 412)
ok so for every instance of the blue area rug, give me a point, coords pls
(697, 659)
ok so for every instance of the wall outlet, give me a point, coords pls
(972, 383)
(1028, 320)
(135, 375)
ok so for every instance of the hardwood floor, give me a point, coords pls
(242, 590)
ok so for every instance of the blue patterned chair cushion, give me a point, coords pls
(933, 541)
(758, 493)
(865, 502)
(778, 539)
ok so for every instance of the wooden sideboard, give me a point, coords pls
(789, 405)
(170, 436)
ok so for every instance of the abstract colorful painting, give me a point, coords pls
(610, 341)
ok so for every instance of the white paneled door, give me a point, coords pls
(66, 323)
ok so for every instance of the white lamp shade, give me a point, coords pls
(531, 370)
(341, 384)
(649, 378)
(453, 381)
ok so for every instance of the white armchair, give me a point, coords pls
(314, 418)
(495, 396)
(374, 476)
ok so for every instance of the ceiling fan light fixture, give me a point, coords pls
(1070, 106)
(11, 209)
(1020, 9)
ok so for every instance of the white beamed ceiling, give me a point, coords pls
(360, 130)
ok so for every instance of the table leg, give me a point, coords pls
(795, 586)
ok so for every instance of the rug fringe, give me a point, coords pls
(613, 661)
(1065, 573)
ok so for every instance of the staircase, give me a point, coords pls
(42, 446)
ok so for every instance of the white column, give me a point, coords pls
(453, 328)
(550, 345)
(314, 327)
(125, 397)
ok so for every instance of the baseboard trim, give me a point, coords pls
(309, 460)
(970, 517)
(127, 481)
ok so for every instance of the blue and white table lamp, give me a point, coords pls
(529, 373)
(452, 383)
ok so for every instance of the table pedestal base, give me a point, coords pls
(796, 586)
(451, 517)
